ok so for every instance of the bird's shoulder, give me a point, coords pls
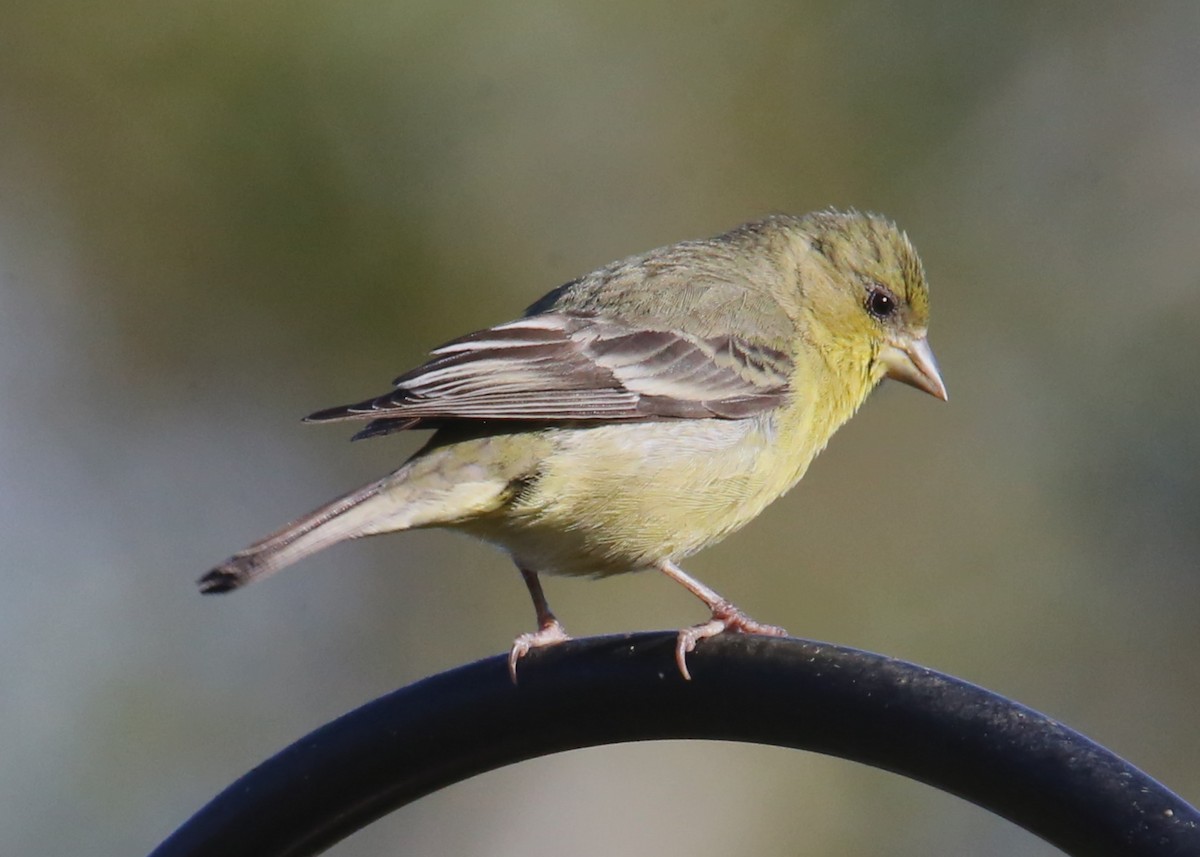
(705, 288)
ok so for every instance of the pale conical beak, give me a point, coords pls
(912, 361)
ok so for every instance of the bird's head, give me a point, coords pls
(866, 290)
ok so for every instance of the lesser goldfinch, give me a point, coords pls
(641, 412)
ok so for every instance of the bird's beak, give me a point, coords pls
(911, 360)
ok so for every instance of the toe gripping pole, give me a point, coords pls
(893, 715)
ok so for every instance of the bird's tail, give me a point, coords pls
(431, 490)
(350, 516)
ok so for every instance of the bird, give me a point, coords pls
(639, 413)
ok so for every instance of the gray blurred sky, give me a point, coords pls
(216, 217)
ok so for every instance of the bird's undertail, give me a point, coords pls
(350, 516)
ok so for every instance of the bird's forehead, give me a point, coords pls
(875, 250)
(900, 268)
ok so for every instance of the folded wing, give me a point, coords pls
(569, 368)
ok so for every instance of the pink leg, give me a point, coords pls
(726, 617)
(549, 632)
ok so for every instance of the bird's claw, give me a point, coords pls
(549, 634)
(726, 618)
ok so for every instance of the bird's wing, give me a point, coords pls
(561, 367)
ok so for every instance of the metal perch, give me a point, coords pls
(921, 724)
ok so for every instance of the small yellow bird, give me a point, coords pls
(641, 412)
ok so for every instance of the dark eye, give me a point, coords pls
(880, 302)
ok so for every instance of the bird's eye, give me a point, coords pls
(880, 302)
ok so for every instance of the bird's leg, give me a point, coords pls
(549, 632)
(725, 617)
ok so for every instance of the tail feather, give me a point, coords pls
(429, 491)
(347, 517)
(433, 489)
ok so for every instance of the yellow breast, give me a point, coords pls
(622, 497)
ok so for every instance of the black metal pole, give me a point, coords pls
(893, 715)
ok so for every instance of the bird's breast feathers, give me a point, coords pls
(622, 497)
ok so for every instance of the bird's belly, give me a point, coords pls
(624, 497)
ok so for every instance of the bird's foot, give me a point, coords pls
(550, 634)
(726, 618)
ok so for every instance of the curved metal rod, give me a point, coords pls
(893, 715)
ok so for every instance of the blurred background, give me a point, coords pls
(216, 217)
